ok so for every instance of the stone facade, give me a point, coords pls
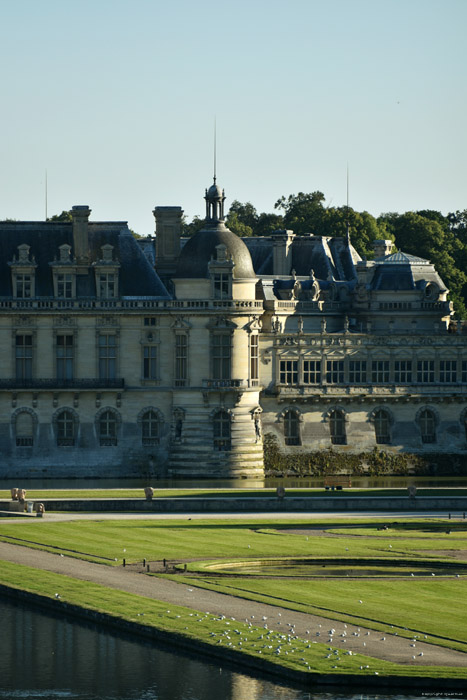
(173, 357)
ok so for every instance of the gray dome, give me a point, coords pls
(199, 250)
(215, 192)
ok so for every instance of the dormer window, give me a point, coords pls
(64, 274)
(106, 271)
(221, 285)
(64, 286)
(221, 271)
(23, 286)
(23, 273)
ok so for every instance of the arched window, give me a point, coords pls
(221, 430)
(382, 427)
(66, 429)
(337, 427)
(292, 428)
(427, 423)
(108, 429)
(24, 428)
(150, 428)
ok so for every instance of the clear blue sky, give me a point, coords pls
(117, 100)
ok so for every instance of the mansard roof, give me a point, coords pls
(403, 272)
(136, 276)
(326, 257)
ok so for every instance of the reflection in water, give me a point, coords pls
(48, 658)
(394, 482)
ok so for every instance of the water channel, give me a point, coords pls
(50, 658)
(394, 482)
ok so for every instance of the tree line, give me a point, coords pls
(427, 234)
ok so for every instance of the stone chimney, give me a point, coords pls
(282, 252)
(382, 248)
(80, 215)
(168, 230)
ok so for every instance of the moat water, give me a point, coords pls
(50, 658)
(288, 482)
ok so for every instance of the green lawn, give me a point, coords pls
(302, 654)
(135, 540)
(425, 605)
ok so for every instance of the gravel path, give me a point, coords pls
(348, 637)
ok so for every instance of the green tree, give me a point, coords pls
(303, 213)
(189, 229)
(267, 224)
(245, 214)
(428, 237)
(64, 216)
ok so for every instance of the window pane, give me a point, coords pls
(150, 425)
(425, 371)
(108, 429)
(288, 372)
(291, 428)
(335, 371)
(254, 358)
(221, 350)
(312, 371)
(427, 424)
(221, 431)
(23, 356)
(337, 428)
(107, 357)
(181, 359)
(149, 362)
(381, 421)
(357, 371)
(380, 371)
(403, 371)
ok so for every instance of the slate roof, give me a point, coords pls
(200, 249)
(136, 276)
(327, 258)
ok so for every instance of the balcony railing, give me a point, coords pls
(72, 384)
(225, 384)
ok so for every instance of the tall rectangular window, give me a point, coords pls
(64, 286)
(288, 372)
(149, 362)
(448, 371)
(221, 284)
(23, 356)
(425, 371)
(23, 286)
(464, 371)
(181, 359)
(64, 356)
(221, 353)
(380, 371)
(357, 371)
(254, 359)
(403, 371)
(312, 371)
(335, 371)
(107, 285)
(107, 356)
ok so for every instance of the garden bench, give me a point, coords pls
(337, 482)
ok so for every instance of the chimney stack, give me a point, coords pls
(80, 215)
(382, 248)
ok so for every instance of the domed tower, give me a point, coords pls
(215, 280)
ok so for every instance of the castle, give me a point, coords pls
(174, 357)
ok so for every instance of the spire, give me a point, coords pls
(347, 235)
